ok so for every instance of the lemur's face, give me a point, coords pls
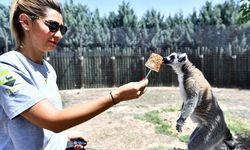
(175, 59)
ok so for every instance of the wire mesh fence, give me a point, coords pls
(105, 67)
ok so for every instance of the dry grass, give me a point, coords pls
(120, 129)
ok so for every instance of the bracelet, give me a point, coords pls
(113, 100)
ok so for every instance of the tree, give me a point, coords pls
(153, 19)
(4, 29)
(126, 16)
(229, 12)
(245, 11)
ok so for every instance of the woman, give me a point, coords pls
(31, 114)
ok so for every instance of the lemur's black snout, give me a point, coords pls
(166, 60)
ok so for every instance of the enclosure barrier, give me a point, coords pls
(98, 69)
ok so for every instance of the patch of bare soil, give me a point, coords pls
(119, 128)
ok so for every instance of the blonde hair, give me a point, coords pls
(33, 8)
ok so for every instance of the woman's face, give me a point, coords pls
(42, 38)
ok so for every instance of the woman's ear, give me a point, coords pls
(24, 20)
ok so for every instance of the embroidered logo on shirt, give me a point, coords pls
(8, 78)
(10, 81)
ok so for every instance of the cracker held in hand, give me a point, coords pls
(154, 62)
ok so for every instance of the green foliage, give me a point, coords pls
(184, 138)
(153, 117)
(4, 15)
(170, 109)
(237, 126)
(153, 19)
(245, 11)
(161, 126)
(164, 128)
(211, 26)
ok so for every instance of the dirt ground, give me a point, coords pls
(119, 128)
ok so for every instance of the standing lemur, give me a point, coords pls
(199, 103)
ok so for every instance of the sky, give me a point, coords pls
(166, 7)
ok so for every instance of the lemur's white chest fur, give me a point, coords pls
(183, 89)
(181, 85)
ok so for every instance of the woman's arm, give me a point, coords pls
(45, 115)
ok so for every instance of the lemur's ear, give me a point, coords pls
(182, 57)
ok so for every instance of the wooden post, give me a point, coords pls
(202, 63)
(234, 67)
(81, 71)
(114, 68)
(47, 59)
(143, 68)
(6, 44)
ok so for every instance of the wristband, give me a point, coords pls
(113, 100)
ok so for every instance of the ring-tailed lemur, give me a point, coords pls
(200, 104)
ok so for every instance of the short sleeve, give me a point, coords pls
(17, 92)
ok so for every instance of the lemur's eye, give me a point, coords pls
(172, 57)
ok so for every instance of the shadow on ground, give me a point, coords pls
(242, 142)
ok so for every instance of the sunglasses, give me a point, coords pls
(55, 26)
(52, 25)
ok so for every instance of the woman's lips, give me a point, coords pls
(53, 42)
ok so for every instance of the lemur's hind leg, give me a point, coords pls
(193, 133)
(229, 141)
(203, 138)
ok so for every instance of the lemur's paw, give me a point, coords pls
(179, 124)
(179, 128)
